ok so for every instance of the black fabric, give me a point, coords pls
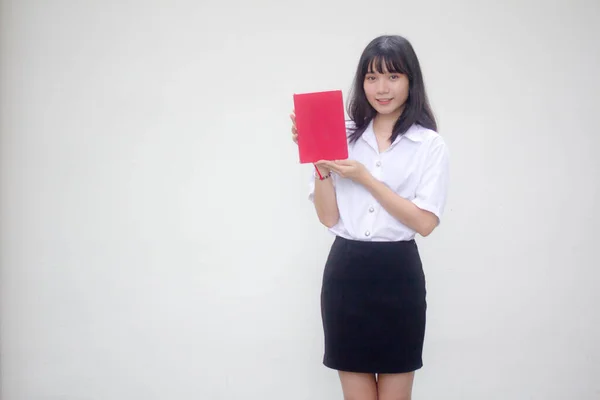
(373, 306)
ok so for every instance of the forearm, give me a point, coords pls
(325, 202)
(400, 208)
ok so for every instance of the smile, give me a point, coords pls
(384, 101)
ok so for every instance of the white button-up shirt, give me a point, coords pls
(415, 166)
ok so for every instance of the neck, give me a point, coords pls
(383, 124)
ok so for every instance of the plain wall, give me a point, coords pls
(156, 237)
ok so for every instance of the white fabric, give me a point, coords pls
(415, 166)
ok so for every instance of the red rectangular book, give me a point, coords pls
(321, 126)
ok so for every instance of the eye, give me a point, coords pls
(370, 78)
(394, 77)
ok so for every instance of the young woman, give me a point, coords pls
(392, 186)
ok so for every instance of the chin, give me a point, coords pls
(386, 110)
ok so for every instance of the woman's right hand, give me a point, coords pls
(294, 130)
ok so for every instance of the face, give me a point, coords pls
(386, 92)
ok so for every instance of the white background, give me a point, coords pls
(157, 241)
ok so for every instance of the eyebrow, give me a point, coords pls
(377, 72)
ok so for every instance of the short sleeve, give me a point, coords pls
(432, 189)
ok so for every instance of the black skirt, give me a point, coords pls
(373, 307)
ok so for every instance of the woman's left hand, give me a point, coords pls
(350, 169)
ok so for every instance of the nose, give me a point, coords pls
(382, 86)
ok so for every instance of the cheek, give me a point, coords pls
(405, 86)
(402, 90)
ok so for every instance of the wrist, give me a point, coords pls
(368, 181)
(322, 175)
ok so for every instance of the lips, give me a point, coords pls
(384, 101)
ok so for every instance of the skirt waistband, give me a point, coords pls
(371, 243)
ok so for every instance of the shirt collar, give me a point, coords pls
(414, 133)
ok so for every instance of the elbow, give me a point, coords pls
(428, 227)
(328, 216)
(425, 231)
(329, 221)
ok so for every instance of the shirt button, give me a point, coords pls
(371, 209)
(378, 164)
(367, 233)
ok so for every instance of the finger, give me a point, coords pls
(293, 117)
(295, 138)
(344, 162)
(326, 163)
(294, 130)
(332, 167)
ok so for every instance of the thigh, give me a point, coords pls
(358, 386)
(395, 386)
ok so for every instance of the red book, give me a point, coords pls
(321, 126)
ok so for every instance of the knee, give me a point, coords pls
(360, 397)
(394, 396)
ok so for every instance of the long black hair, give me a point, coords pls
(398, 55)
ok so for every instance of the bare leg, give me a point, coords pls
(395, 386)
(357, 386)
